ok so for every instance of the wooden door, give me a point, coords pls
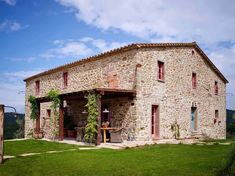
(155, 122)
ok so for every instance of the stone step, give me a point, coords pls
(197, 135)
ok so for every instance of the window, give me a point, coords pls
(216, 87)
(37, 87)
(160, 71)
(65, 78)
(48, 113)
(194, 80)
(216, 114)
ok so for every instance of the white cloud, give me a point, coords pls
(21, 74)
(205, 21)
(10, 2)
(83, 47)
(11, 86)
(101, 44)
(67, 49)
(8, 25)
(19, 59)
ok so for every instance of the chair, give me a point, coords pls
(115, 136)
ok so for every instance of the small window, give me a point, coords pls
(37, 85)
(65, 79)
(194, 80)
(216, 114)
(48, 113)
(161, 71)
(216, 87)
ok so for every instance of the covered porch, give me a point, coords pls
(116, 108)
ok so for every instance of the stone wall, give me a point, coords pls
(117, 71)
(174, 96)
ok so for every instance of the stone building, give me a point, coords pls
(144, 88)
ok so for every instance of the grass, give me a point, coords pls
(188, 160)
(16, 148)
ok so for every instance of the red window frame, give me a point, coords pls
(65, 79)
(161, 71)
(194, 80)
(216, 88)
(37, 87)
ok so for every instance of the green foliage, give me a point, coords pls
(19, 133)
(175, 128)
(33, 107)
(53, 95)
(233, 116)
(231, 128)
(90, 129)
(226, 171)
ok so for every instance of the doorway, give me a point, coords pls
(155, 122)
(193, 118)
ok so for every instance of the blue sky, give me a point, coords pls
(37, 35)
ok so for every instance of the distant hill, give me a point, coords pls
(11, 125)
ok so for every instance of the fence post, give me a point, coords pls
(1, 132)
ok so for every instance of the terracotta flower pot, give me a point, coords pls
(72, 133)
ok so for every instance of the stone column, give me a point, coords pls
(1, 132)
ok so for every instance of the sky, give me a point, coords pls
(37, 35)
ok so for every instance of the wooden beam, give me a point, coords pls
(98, 137)
(1, 132)
(61, 122)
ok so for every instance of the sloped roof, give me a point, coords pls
(127, 48)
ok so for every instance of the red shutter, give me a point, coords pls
(160, 70)
(194, 80)
(37, 87)
(216, 87)
(65, 78)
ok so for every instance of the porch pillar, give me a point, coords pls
(61, 122)
(1, 132)
(38, 118)
(98, 137)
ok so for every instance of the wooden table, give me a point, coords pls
(104, 131)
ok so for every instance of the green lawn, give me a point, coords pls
(157, 160)
(33, 146)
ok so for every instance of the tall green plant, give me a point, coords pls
(92, 107)
(175, 128)
(53, 96)
(33, 107)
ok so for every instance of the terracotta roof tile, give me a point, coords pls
(127, 48)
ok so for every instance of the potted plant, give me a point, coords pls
(175, 129)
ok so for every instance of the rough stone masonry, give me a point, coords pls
(136, 67)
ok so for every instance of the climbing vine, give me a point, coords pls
(33, 107)
(53, 96)
(92, 108)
